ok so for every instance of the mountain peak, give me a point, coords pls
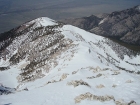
(44, 21)
(65, 65)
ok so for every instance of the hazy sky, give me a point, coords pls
(96, 6)
(16, 12)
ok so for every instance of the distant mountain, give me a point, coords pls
(44, 62)
(86, 23)
(122, 25)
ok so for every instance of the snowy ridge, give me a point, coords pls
(51, 63)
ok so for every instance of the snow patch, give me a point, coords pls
(102, 21)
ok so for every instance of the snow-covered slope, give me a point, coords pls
(48, 63)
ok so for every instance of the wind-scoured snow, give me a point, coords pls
(82, 69)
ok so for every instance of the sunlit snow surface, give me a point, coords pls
(78, 63)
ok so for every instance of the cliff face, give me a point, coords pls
(122, 25)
